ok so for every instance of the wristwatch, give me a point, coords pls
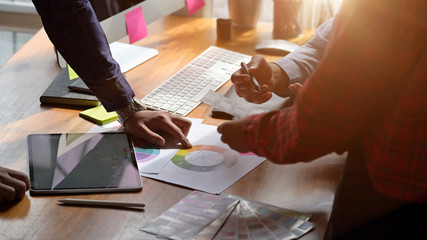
(134, 106)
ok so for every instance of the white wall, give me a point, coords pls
(220, 10)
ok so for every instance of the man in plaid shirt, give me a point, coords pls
(367, 96)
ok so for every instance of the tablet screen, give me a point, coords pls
(86, 162)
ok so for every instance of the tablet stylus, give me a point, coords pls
(102, 203)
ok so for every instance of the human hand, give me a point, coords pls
(13, 185)
(147, 125)
(295, 87)
(232, 135)
(261, 70)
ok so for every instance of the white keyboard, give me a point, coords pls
(182, 92)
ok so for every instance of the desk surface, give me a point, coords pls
(305, 187)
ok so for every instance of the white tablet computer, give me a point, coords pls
(82, 163)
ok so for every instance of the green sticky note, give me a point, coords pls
(99, 115)
(71, 73)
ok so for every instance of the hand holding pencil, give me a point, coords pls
(253, 81)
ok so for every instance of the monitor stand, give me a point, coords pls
(127, 55)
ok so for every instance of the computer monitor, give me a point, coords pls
(111, 14)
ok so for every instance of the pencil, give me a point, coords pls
(253, 80)
(102, 203)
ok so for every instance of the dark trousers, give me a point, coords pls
(356, 201)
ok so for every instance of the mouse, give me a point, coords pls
(278, 47)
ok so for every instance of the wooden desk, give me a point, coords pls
(306, 187)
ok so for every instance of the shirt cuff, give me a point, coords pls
(291, 69)
(114, 93)
(250, 132)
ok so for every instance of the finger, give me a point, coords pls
(265, 88)
(22, 177)
(7, 192)
(292, 88)
(243, 90)
(259, 98)
(219, 129)
(242, 80)
(19, 187)
(151, 136)
(169, 127)
(260, 68)
(183, 123)
(295, 88)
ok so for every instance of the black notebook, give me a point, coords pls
(59, 93)
(77, 85)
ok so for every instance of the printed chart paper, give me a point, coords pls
(210, 165)
(150, 159)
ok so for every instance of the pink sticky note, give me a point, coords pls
(194, 5)
(135, 24)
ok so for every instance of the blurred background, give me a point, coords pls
(19, 20)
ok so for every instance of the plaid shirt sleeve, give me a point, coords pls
(377, 51)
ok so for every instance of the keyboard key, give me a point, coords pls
(182, 92)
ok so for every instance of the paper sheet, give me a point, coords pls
(210, 166)
(239, 107)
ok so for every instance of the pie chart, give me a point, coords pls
(146, 154)
(205, 158)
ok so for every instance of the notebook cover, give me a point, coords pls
(59, 93)
(77, 85)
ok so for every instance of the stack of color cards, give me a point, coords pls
(191, 216)
(203, 216)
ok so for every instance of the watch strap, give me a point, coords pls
(134, 106)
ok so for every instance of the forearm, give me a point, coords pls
(280, 80)
(298, 65)
(73, 28)
(357, 81)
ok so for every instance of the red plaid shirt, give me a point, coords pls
(370, 85)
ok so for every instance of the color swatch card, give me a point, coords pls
(203, 216)
(260, 221)
(190, 216)
(210, 165)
